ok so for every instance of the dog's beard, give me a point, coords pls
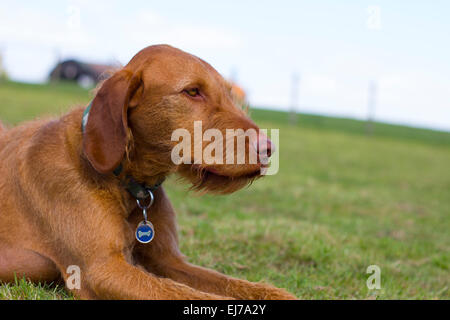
(205, 181)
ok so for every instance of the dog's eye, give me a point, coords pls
(194, 92)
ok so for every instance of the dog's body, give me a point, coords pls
(61, 205)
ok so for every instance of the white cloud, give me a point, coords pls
(39, 28)
(150, 28)
(318, 84)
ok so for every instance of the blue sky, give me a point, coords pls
(336, 47)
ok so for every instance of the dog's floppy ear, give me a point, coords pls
(105, 136)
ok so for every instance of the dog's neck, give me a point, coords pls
(138, 190)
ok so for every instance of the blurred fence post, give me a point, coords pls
(3, 74)
(371, 105)
(295, 81)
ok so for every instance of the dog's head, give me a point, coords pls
(163, 99)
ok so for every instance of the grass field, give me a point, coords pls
(340, 202)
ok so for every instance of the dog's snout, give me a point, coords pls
(263, 146)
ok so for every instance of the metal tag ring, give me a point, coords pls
(152, 198)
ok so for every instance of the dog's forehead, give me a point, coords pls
(172, 62)
(158, 53)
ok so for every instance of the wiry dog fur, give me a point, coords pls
(60, 204)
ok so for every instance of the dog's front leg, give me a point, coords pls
(162, 257)
(114, 278)
(212, 281)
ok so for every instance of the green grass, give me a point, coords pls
(22, 289)
(340, 202)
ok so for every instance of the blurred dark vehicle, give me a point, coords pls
(85, 74)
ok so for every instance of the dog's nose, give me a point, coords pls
(264, 147)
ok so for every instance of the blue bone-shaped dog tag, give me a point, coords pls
(145, 232)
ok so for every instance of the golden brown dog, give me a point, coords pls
(62, 202)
